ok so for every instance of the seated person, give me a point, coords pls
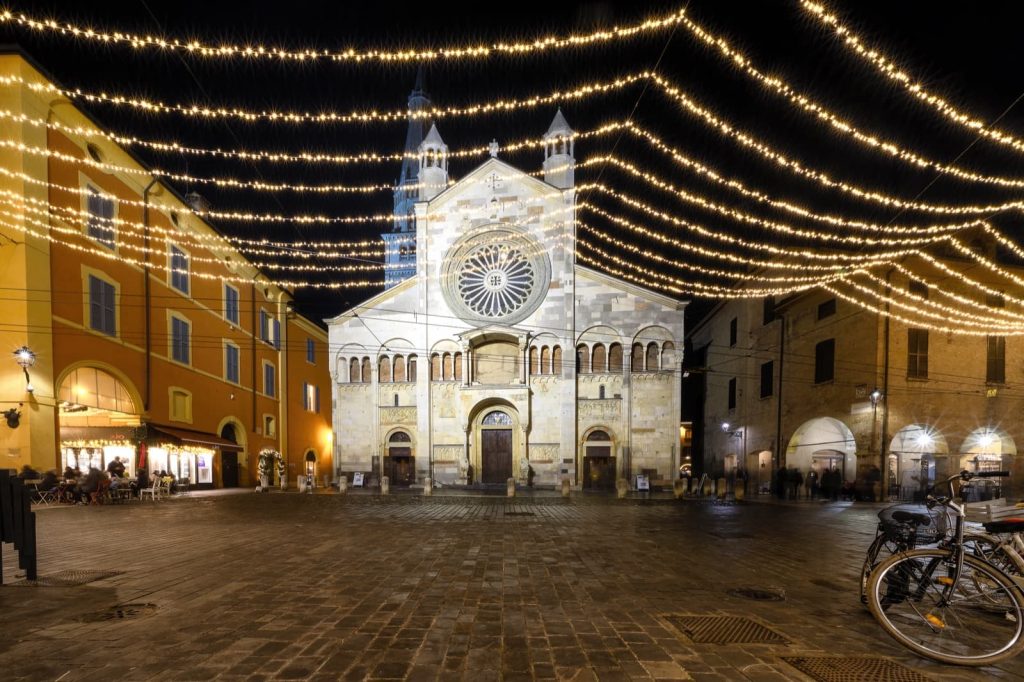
(28, 474)
(49, 481)
(69, 474)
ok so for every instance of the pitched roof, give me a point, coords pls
(558, 124)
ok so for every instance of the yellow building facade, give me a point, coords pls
(150, 337)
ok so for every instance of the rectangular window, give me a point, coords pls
(767, 378)
(100, 223)
(230, 304)
(231, 363)
(269, 426)
(732, 393)
(181, 405)
(310, 351)
(180, 340)
(310, 398)
(996, 360)
(825, 361)
(270, 329)
(919, 288)
(269, 380)
(179, 270)
(827, 309)
(102, 313)
(768, 311)
(733, 324)
(917, 353)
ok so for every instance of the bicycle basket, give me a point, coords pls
(902, 531)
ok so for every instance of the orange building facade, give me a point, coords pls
(154, 340)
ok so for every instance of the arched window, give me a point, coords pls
(353, 371)
(412, 368)
(545, 360)
(435, 367)
(446, 361)
(615, 357)
(399, 437)
(599, 361)
(497, 419)
(556, 360)
(384, 370)
(396, 400)
(666, 352)
(636, 360)
(458, 367)
(652, 357)
(534, 360)
(367, 373)
(600, 392)
(398, 368)
(582, 359)
(599, 436)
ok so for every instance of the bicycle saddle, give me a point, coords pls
(911, 517)
(1014, 525)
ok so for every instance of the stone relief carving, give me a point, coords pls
(448, 453)
(544, 452)
(602, 409)
(397, 415)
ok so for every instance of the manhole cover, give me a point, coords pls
(851, 669)
(758, 594)
(514, 513)
(725, 630)
(70, 578)
(120, 612)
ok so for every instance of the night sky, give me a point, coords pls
(969, 54)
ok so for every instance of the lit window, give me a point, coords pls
(310, 398)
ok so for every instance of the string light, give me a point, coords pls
(803, 102)
(894, 73)
(257, 52)
(1012, 317)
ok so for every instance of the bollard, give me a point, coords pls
(385, 485)
(739, 492)
(510, 486)
(343, 484)
(720, 488)
(679, 488)
(621, 488)
(428, 487)
(566, 489)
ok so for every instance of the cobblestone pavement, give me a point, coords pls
(325, 587)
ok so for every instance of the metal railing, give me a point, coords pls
(17, 522)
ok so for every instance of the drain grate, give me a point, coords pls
(759, 594)
(725, 630)
(69, 578)
(120, 612)
(852, 669)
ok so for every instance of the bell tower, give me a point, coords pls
(400, 243)
(433, 171)
(559, 163)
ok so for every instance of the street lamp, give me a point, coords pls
(25, 359)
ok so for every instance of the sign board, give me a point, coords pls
(642, 483)
(357, 479)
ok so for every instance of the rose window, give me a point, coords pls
(496, 275)
(495, 280)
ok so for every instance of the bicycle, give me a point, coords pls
(942, 602)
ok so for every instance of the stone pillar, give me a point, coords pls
(428, 487)
(385, 485)
(566, 488)
(621, 487)
(343, 484)
(510, 486)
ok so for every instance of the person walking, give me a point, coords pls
(812, 484)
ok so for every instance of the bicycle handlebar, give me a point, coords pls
(966, 476)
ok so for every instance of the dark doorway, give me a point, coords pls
(495, 455)
(229, 469)
(229, 460)
(400, 466)
(599, 468)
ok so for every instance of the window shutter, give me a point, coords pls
(316, 390)
(277, 334)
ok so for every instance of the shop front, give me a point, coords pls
(86, 447)
(189, 456)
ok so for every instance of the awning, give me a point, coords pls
(73, 434)
(184, 436)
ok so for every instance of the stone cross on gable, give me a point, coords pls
(493, 149)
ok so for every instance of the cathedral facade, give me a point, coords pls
(496, 356)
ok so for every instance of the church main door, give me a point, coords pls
(496, 455)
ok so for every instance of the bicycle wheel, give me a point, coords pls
(991, 549)
(882, 546)
(976, 621)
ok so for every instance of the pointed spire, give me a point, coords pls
(433, 137)
(558, 125)
(419, 101)
(420, 86)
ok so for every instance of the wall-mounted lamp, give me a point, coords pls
(25, 359)
(875, 396)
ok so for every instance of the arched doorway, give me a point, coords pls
(821, 444)
(913, 454)
(598, 461)
(228, 459)
(986, 449)
(98, 412)
(496, 446)
(310, 463)
(400, 468)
